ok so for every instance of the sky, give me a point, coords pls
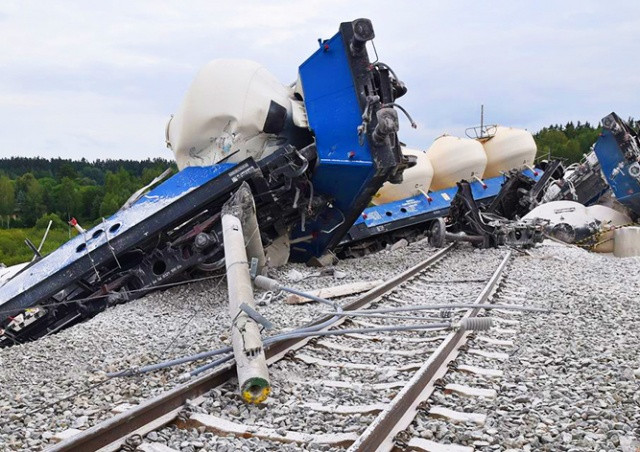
(100, 79)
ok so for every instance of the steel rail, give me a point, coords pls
(163, 409)
(399, 414)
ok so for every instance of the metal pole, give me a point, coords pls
(251, 231)
(44, 237)
(253, 375)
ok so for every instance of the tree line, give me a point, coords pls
(570, 141)
(59, 189)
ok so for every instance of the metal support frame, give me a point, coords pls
(485, 229)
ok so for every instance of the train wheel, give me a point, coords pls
(437, 233)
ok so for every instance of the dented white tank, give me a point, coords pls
(570, 212)
(415, 180)
(597, 222)
(454, 159)
(234, 109)
(509, 148)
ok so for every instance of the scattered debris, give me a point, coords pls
(399, 244)
(295, 275)
(468, 223)
(334, 292)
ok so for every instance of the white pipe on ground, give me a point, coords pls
(253, 375)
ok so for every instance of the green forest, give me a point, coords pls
(36, 190)
(570, 141)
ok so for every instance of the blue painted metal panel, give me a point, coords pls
(439, 205)
(331, 99)
(345, 166)
(154, 201)
(625, 187)
(187, 179)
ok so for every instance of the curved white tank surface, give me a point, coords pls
(508, 149)
(233, 109)
(454, 159)
(415, 180)
(570, 212)
(627, 242)
(577, 215)
(610, 219)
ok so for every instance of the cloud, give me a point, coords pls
(100, 79)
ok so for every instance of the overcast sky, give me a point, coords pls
(100, 79)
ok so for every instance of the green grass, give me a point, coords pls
(13, 250)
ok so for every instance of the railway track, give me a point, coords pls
(387, 377)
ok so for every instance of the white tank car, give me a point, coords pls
(415, 180)
(570, 212)
(454, 159)
(233, 109)
(578, 216)
(509, 148)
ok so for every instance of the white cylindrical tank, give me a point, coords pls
(577, 216)
(508, 149)
(234, 109)
(610, 220)
(627, 242)
(454, 159)
(570, 212)
(414, 180)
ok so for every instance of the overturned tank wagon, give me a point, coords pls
(618, 151)
(312, 154)
(410, 210)
(592, 202)
(592, 227)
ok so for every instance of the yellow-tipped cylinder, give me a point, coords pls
(255, 390)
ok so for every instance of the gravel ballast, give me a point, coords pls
(569, 383)
(180, 321)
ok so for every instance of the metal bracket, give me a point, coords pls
(253, 270)
(256, 316)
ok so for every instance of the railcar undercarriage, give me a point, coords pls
(307, 191)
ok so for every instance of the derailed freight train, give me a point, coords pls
(498, 198)
(327, 171)
(313, 154)
(596, 203)
(483, 164)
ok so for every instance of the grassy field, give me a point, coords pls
(13, 250)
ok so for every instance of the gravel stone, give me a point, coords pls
(570, 383)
